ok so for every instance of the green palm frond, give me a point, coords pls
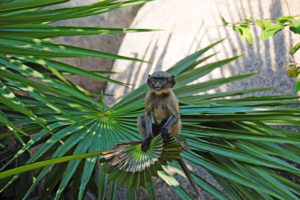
(231, 138)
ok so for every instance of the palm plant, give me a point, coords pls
(233, 139)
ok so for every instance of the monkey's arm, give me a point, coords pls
(174, 116)
(171, 121)
(168, 125)
(148, 124)
(148, 110)
(149, 133)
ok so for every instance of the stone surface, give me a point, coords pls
(192, 25)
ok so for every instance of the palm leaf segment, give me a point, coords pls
(128, 165)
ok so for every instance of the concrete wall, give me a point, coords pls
(194, 24)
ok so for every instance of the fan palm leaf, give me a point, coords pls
(231, 138)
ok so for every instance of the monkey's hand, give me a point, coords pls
(146, 144)
(164, 133)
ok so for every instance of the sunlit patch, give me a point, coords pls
(46, 49)
(91, 159)
(61, 47)
(41, 62)
(28, 88)
(50, 141)
(9, 95)
(33, 179)
(37, 41)
(169, 179)
(25, 46)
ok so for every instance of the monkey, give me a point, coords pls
(161, 109)
(162, 115)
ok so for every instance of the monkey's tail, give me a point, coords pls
(190, 178)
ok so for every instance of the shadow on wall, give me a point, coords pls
(265, 57)
(187, 32)
(150, 66)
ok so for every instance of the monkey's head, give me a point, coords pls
(160, 81)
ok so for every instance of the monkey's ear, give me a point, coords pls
(149, 79)
(172, 80)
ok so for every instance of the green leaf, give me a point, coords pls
(297, 86)
(15, 129)
(37, 47)
(237, 29)
(81, 148)
(188, 76)
(49, 31)
(209, 187)
(131, 194)
(225, 23)
(102, 183)
(73, 140)
(205, 86)
(283, 19)
(151, 191)
(295, 49)
(223, 171)
(270, 31)
(68, 68)
(38, 16)
(263, 23)
(8, 98)
(245, 33)
(295, 27)
(34, 84)
(189, 60)
(36, 165)
(89, 163)
(24, 4)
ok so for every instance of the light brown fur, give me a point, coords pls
(161, 108)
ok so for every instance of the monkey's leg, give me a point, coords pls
(145, 128)
(167, 126)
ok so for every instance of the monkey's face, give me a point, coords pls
(158, 83)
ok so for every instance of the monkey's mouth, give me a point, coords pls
(158, 88)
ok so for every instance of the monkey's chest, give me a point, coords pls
(160, 113)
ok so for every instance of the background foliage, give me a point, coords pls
(233, 139)
(270, 27)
